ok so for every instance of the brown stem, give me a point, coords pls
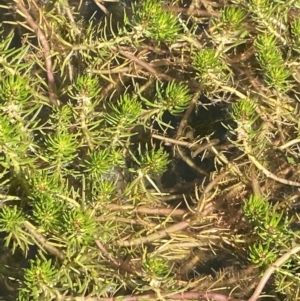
(147, 210)
(158, 235)
(188, 112)
(207, 189)
(266, 172)
(124, 220)
(153, 296)
(42, 241)
(115, 262)
(197, 148)
(242, 57)
(195, 12)
(192, 164)
(143, 64)
(47, 53)
(102, 7)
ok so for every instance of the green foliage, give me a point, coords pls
(270, 58)
(155, 268)
(255, 209)
(106, 187)
(79, 228)
(231, 18)
(272, 226)
(295, 28)
(15, 90)
(98, 164)
(44, 184)
(38, 281)
(229, 28)
(262, 255)
(11, 222)
(153, 161)
(244, 112)
(269, 53)
(245, 115)
(153, 21)
(271, 237)
(61, 149)
(47, 212)
(84, 90)
(210, 67)
(261, 5)
(126, 112)
(174, 99)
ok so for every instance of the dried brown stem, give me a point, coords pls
(43, 242)
(147, 210)
(195, 12)
(158, 235)
(191, 163)
(124, 220)
(188, 112)
(197, 148)
(153, 296)
(47, 53)
(115, 262)
(102, 7)
(143, 64)
(207, 189)
(266, 172)
(242, 57)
